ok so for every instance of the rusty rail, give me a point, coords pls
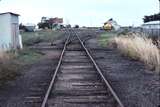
(55, 73)
(95, 65)
(100, 72)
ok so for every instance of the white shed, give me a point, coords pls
(9, 31)
(151, 25)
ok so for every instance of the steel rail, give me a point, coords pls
(55, 74)
(100, 72)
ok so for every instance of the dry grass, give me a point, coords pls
(138, 47)
(12, 63)
(158, 44)
(8, 67)
(4, 56)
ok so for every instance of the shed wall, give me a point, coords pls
(14, 19)
(5, 31)
(15, 31)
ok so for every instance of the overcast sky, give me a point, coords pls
(82, 12)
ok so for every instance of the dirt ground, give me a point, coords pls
(136, 85)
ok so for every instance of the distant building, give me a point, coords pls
(152, 28)
(29, 27)
(151, 25)
(50, 23)
(56, 20)
(43, 19)
(9, 31)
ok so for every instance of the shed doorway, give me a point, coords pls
(15, 38)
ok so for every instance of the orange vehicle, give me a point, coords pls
(111, 25)
(107, 26)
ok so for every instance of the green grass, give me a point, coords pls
(13, 65)
(28, 56)
(9, 69)
(104, 38)
(31, 38)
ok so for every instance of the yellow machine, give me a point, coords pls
(111, 25)
(107, 26)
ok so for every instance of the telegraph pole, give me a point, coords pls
(159, 19)
(159, 6)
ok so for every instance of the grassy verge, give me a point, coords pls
(138, 47)
(8, 68)
(105, 37)
(31, 38)
(28, 56)
(11, 64)
(8, 71)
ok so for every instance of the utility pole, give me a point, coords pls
(159, 21)
(159, 6)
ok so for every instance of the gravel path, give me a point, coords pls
(136, 85)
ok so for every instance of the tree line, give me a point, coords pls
(155, 17)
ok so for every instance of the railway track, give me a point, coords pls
(78, 81)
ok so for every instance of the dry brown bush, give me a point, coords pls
(139, 47)
(8, 67)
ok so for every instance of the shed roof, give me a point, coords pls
(152, 23)
(10, 13)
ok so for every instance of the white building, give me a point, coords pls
(9, 31)
(151, 25)
(30, 27)
(152, 28)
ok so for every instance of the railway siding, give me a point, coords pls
(78, 84)
(78, 81)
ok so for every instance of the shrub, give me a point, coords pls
(32, 38)
(8, 67)
(138, 47)
(13, 61)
